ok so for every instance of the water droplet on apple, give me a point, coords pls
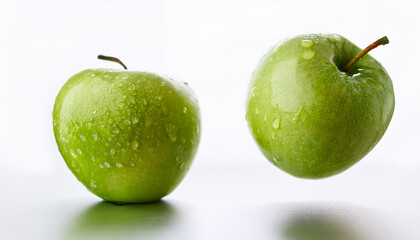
(132, 164)
(171, 131)
(112, 152)
(306, 43)
(92, 184)
(100, 165)
(83, 138)
(92, 75)
(135, 120)
(178, 160)
(115, 131)
(265, 116)
(72, 153)
(132, 87)
(118, 165)
(308, 54)
(93, 159)
(94, 112)
(273, 135)
(79, 151)
(336, 37)
(276, 123)
(301, 115)
(134, 145)
(276, 159)
(257, 111)
(185, 110)
(253, 91)
(106, 164)
(95, 137)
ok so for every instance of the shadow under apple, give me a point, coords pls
(109, 221)
(322, 222)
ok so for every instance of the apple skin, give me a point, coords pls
(308, 117)
(129, 137)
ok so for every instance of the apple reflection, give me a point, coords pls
(109, 221)
(331, 223)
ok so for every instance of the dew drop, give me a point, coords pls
(83, 138)
(178, 160)
(134, 145)
(185, 110)
(92, 184)
(79, 151)
(112, 152)
(73, 154)
(132, 87)
(308, 54)
(94, 112)
(118, 165)
(95, 137)
(171, 131)
(115, 131)
(106, 164)
(253, 91)
(306, 43)
(276, 123)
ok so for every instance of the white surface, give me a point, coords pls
(231, 192)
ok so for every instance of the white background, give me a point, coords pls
(231, 190)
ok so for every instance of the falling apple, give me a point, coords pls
(317, 104)
(129, 137)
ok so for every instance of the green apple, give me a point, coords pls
(312, 113)
(129, 137)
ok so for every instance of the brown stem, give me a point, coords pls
(379, 42)
(102, 57)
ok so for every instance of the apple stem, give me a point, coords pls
(102, 57)
(381, 41)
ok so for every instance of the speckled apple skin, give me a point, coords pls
(308, 117)
(129, 137)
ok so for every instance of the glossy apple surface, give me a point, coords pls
(310, 118)
(129, 137)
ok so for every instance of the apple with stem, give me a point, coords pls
(129, 137)
(317, 104)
